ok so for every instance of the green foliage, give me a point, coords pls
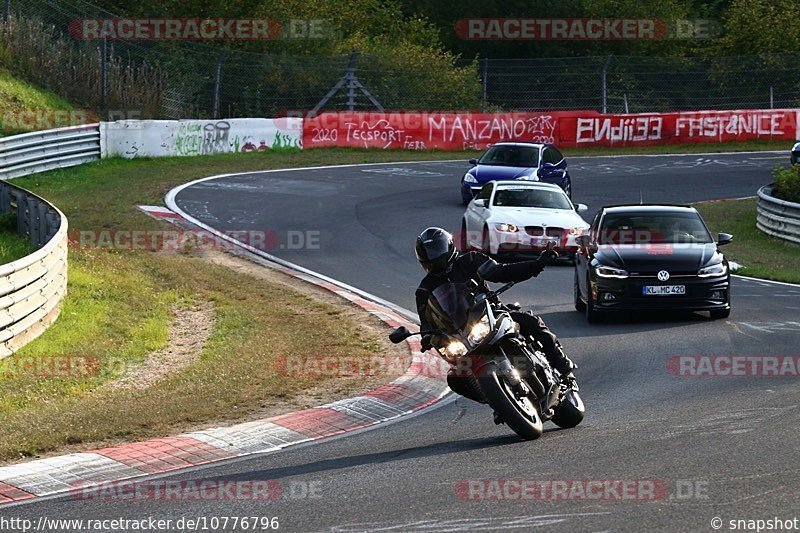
(761, 27)
(787, 183)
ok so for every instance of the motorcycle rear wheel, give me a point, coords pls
(522, 416)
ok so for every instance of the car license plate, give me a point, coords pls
(539, 242)
(663, 290)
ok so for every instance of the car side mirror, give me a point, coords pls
(399, 335)
(724, 238)
(480, 202)
(581, 208)
(582, 240)
(473, 161)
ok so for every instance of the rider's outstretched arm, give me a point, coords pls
(491, 270)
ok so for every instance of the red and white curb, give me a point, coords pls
(413, 391)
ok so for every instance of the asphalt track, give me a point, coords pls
(733, 440)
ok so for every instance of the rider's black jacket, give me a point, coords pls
(465, 268)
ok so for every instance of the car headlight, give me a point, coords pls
(529, 178)
(454, 349)
(611, 272)
(479, 330)
(507, 228)
(469, 178)
(712, 270)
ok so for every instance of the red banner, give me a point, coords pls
(460, 131)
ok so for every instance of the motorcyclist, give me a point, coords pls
(437, 254)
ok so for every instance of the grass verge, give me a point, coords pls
(12, 246)
(21, 102)
(762, 256)
(693, 148)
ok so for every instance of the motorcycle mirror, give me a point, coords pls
(399, 335)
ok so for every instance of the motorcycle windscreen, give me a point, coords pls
(448, 307)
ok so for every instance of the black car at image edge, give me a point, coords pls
(651, 257)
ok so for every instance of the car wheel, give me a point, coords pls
(592, 316)
(718, 314)
(463, 242)
(485, 241)
(579, 305)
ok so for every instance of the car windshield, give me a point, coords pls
(531, 197)
(653, 228)
(511, 156)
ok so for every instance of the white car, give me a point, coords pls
(516, 219)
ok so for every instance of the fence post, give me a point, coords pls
(485, 83)
(605, 87)
(218, 83)
(104, 77)
(625, 99)
(6, 10)
(771, 98)
(350, 74)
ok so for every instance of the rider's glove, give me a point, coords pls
(426, 342)
(549, 254)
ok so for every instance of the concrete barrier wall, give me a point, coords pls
(162, 138)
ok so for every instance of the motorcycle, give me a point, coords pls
(475, 333)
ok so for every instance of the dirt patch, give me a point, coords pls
(188, 334)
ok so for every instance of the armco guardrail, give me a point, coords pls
(777, 217)
(32, 288)
(38, 151)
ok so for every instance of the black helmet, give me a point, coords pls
(436, 251)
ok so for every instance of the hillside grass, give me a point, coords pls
(20, 100)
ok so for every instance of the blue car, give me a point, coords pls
(516, 161)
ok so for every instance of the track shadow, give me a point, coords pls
(431, 450)
(569, 324)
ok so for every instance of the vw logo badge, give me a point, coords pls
(663, 275)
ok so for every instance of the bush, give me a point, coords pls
(787, 183)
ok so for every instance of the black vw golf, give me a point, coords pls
(651, 257)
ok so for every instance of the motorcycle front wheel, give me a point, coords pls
(521, 414)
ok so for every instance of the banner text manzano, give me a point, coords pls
(460, 131)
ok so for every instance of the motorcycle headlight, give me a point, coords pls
(469, 178)
(611, 272)
(507, 228)
(454, 349)
(479, 330)
(712, 270)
